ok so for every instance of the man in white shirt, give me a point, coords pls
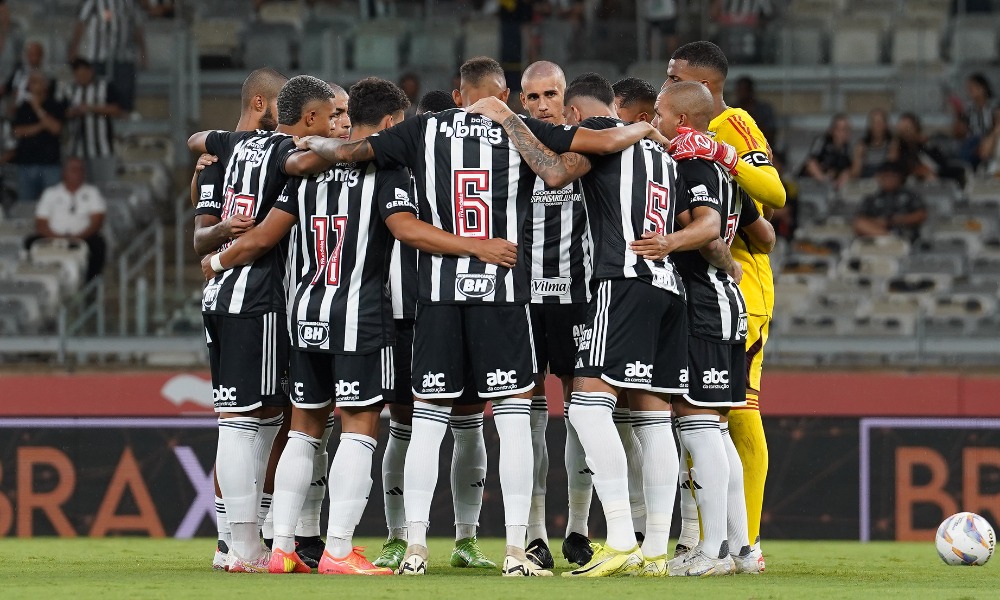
(74, 210)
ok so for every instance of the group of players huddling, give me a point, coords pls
(435, 263)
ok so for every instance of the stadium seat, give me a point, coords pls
(23, 307)
(32, 294)
(268, 45)
(878, 326)
(973, 39)
(898, 304)
(873, 266)
(481, 37)
(376, 51)
(801, 43)
(70, 256)
(66, 282)
(933, 263)
(812, 325)
(160, 37)
(971, 305)
(433, 50)
(887, 245)
(606, 68)
(948, 326)
(286, 12)
(654, 72)
(856, 43)
(985, 267)
(557, 40)
(218, 37)
(916, 42)
(920, 283)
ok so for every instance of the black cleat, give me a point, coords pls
(538, 553)
(310, 550)
(639, 537)
(576, 549)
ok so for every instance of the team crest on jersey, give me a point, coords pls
(210, 296)
(313, 333)
(476, 285)
(741, 326)
(551, 286)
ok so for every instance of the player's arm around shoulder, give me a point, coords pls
(256, 242)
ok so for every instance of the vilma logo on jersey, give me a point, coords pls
(313, 333)
(552, 286)
(476, 285)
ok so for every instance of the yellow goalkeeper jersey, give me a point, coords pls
(735, 127)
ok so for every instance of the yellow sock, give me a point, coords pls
(747, 430)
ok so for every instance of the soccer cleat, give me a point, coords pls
(538, 552)
(354, 563)
(287, 562)
(467, 554)
(392, 554)
(750, 560)
(698, 564)
(680, 550)
(516, 567)
(221, 554)
(236, 564)
(415, 562)
(310, 550)
(607, 562)
(576, 548)
(654, 567)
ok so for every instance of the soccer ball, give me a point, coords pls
(965, 539)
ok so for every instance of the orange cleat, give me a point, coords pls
(287, 562)
(354, 563)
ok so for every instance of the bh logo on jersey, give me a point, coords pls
(476, 285)
(501, 380)
(637, 372)
(348, 390)
(432, 382)
(224, 396)
(714, 379)
(313, 333)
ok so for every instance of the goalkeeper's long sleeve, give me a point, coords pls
(762, 183)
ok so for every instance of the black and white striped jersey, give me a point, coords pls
(716, 308)
(403, 275)
(558, 252)
(470, 182)
(211, 189)
(628, 193)
(254, 178)
(339, 256)
(90, 134)
(108, 29)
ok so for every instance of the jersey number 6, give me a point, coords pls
(472, 211)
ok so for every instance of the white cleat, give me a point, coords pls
(752, 562)
(236, 564)
(415, 562)
(698, 564)
(219, 561)
(517, 567)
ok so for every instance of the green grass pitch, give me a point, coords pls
(47, 568)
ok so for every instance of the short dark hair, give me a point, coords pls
(633, 89)
(296, 93)
(591, 85)
(372, 98)
(980, 80)
(264, 82)
(436, 101)
(474, 70)
(703, 54)
(79, 62)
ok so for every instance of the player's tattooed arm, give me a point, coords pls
(336, 150)
(210, 233)
(718, 255)
(613, 139)
(556, 170)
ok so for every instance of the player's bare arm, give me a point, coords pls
(197, 141)
(699, 227)
(336, 150)
(718, 255)
(252, 246)
(210, 233)
(304, 164)
(203, 161)
(761, 234)
(413, 232)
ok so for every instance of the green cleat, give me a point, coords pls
(468, 555)
(392, 554)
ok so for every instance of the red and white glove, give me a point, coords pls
(694, 144)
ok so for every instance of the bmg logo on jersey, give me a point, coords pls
(347, 390)
(342, 174)
(476, 285)
(714, 379)
(493, 135)
(313, 333)
(500, 380)
(552, 286)
(432, 381)
(638, 372)
(224, 396)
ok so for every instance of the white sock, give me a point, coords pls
(312, 508)
(350, 474)
(590, 414)
(659, 477)
(267, 527)
(263, 508)
(392, 479)
(236, 470)
(739, 536)
(633, 453)
(703, 438)
(513, 420)
(262, 443)
(468, 472)
(291, 484)
(581, 486)
(222, 523)
(540, 453)
(420, 473)
(690, 533)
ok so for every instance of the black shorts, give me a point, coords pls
(636, 338)
(718, 376)
(402, 392)
(347, 380)
(493, 340)
(248, 357)
(557, 329)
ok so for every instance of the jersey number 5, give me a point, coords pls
(472, 211)
(657, 208)
(328, 262)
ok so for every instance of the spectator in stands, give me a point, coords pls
(661, 19)
(829, 160)
(92, 104)
(893, 209)
(978, 112)
(873, 148)
(73, 210)
(920, 159)
(989, 147)
(761, 111)
(109, 35)
(37, 125)
(16, 86)
(410, 84)
(159, 9)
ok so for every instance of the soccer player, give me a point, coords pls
(435, 101)
(470, 182)
(634, 100)
(342, 353)
(244, 308)
(557, 252)
(258, 107)
(717, 317)
(636, 335)
(736, 137)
